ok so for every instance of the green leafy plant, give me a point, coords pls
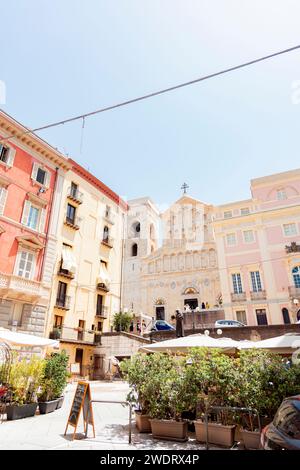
(25, 379)
(55, 376)
(121, 321)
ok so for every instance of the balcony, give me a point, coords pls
(241, 297)
(108, 241)
(19, 288)
(102, 312)
(75, 195)
(76, 335)
(65, 273)
(259, 295)
(63, 302)
(73, 223)
(103, 287)
(294, 292)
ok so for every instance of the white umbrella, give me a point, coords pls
(191, 341)
(281, 344)
(23, 339)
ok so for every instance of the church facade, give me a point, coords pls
(238, 261)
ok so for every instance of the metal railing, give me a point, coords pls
(73, 222)
(102, 311)
(76, 334)
(63, 302)
(75, 194)
(108, 241)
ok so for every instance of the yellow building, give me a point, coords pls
(88, 219)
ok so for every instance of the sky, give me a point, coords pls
(64, 58)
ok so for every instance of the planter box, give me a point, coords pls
(251, 439)
(20, 411)
(48, 406)
(217, 433)
(142, 422)
(169, 429)
(60, 402)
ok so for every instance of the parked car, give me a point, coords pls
(160, 325)
(224, 323)
(284, 431)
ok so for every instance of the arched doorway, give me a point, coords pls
(286, 316)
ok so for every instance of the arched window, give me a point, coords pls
(298, 315)
(135, 229)
(296, 276)
(152, 232)
(134, 249)
(105, 234)
(286, 316)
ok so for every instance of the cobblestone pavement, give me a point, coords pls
(46, 432)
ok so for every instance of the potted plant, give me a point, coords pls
(264, 381)
(136, 372)
(53, 383)
(169, 396)
(121, 321)
(25, 379)
(213, 377)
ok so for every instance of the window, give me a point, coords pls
(256, 281)
(3, 196)
(227, 214)
(25, 264)
(296, 276)
(7, 155)
(99, 309)
(281, 194)
(286, 316)
(231, 239)
(71, 212)
(3, 153)
(248, 236)
(237, 283)
(106, 234)
(107, 212)
(261, 316)
(33, 217)
(58, 321)
(134, 249)
(61, 294)
(241, 316)
(40, 175)
(245, 211)
(290, 230)
(74, 190)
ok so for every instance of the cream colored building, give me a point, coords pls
(182, 270)
(88, 219)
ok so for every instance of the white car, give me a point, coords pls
(225, 323)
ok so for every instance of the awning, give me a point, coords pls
(284, 344)
(68, 259)
(15, 338)
(103, 274)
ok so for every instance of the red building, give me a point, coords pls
(29, 168)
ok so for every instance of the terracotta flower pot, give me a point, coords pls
(142, 422)
(169, 429)
(251, 439)
(217, 433)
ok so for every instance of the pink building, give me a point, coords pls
(28, 173)
(258, 245)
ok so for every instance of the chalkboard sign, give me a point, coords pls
(81, 401)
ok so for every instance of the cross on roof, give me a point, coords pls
(184, 187)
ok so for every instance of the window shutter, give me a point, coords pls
(25, 214)
(3, 196)
(42, 220)
(11, 156)
(35, 168)
(47, 179)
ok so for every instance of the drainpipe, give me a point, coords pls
(48, 226)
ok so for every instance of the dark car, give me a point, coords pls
(160, 325)
(284, 431)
